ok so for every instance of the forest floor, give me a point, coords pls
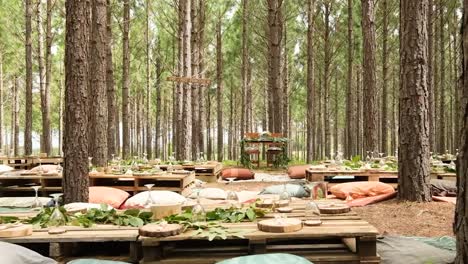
(432, 219)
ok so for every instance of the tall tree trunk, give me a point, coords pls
(231, 121)
(385, 51)
(460, 226)
(284, 94)
(275, 28)
(336, 142)
(369, 77)
(75, 146)
(41, 69)
(46, 132)
(28, 104)
(430, 75)
(350, 131)
(413, 154)
(149, 136)
(441, 132)
(202, 90)
(359, 132)
(61, 118)
(125, 80)
(16, 117)
(310, 81)
(244, 70)
(186, 128)
(219, 92)
(112, 115)
(195, 148)
(97, 74)
(157, 149)
(327, 81)
(208, 128)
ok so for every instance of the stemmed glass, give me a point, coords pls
(149, 200)
(284, 197)
(57, 218)
(145, 158)
(198, 212)
(233, 199)
(90, 162)
(381, 162)
(59, 169)
(312, 212)
(231, 180)
(37, 202)
(135, 163)
(40, 170)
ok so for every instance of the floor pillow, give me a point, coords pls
(238, 173)
(267, 259)
(5, 168)
(15, 254)
(45, 168)
(159, 197)
(297, 172)
(355, 190)
(21, 202)
(397, 250)
(209, 193)
(443, 188)
(294, 190)
(107, 195)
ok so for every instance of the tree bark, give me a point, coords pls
(28, 104)
(1, 105)
(413, 154)
(16, 117)
(149, 136)
(157, 149)
(310, 81)
(202, 90)
(194, 13)
(186, 128)
(350, 131)
(327, 79)
(75, 147)
(112, 113)
(430, 76)
(125, 80)
(244, 70)
(385, 52)
(275, 29)
(441, 132)
(219, 92)
(41, 71)
(46, 132)
(460, 226)
(369, 77)
(97, 74)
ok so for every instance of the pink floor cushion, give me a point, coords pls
(238, 173)
(370, 200)
(297, 172)
(107, 195)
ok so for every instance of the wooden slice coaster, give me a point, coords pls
(57, 230)
(312, 222)
(158, 230)
(15, 230)
(287, 225)
(284, 209)
(265, 204)
(334, 209)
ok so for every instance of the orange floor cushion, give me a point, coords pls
(297, 172)
(238, 173)
(356, 190)
(107, 195)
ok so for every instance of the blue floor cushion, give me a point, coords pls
(267, 259)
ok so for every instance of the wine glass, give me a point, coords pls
(59, 169)
(198, 212)
(233, 199)
(312, 212)
(57, 218)
(284, 197)
(145, 158)
(40, 170)
(90, 162)
(135, 163)
(230, 180)
(37, 202)
(149, 200)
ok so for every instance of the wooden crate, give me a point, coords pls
(389, 177)
(341, 238)
(207, 172)
(169, 182)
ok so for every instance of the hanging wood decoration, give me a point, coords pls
(200, 81)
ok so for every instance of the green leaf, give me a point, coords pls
(132, 212)
(250, 214)
(135, 221)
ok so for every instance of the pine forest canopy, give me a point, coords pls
(274, 65)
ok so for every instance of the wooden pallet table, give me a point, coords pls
(15, 183)
(205, 172)
(343, 238)
(169, 182)
(26, 163)
(58, 243)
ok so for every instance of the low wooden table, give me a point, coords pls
(343, 238)
(206, 172)
(15, 183)
(131, 183)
